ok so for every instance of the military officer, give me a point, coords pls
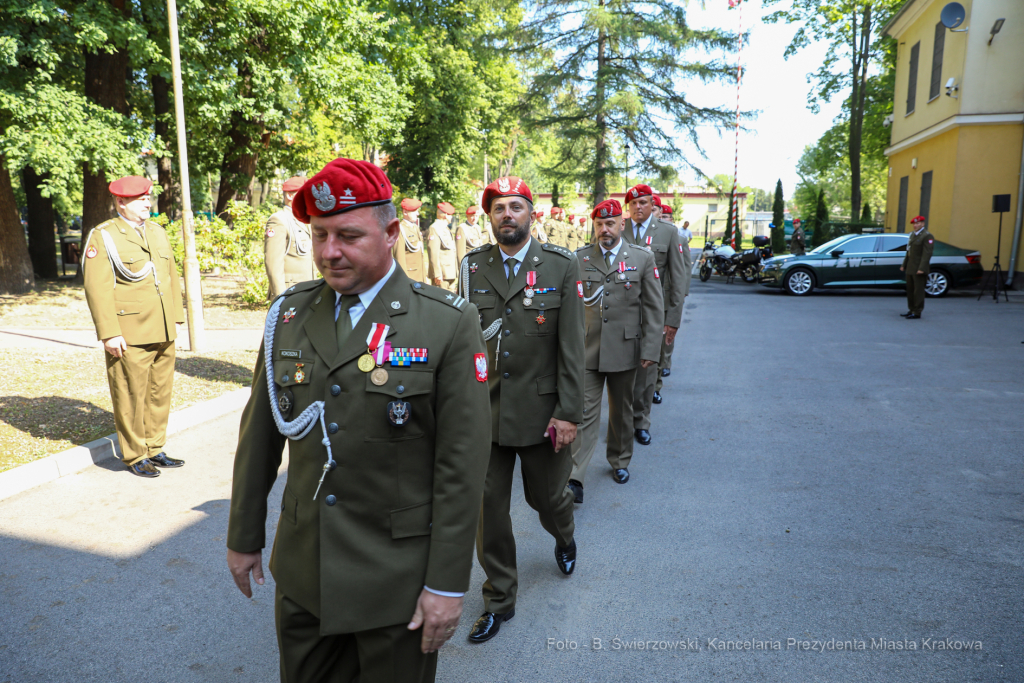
(469, 234)
(409, 251)
(444, 262)
(625, 315)
(287, 251)
(582, 233)
(134, 295)
(662, 239)
(531, 311)
(665, 364)
(379, 383)
(539, 231)
(796, 241)
(916, 264)
(568, 231)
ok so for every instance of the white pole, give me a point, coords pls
(193, 288)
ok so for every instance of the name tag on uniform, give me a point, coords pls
(290, 353)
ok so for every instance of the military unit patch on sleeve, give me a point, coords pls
(480, 363)
(90, 252)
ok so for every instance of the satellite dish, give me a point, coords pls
(953, 15)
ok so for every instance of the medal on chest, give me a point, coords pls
(622, 270)
(377, 351)
(529, 292)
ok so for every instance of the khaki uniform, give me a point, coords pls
(623, 326)
(535, 364)
(410, 254)
(539, 233)
(398, 511)
(663, 240)
(665, 362)
(918, 257)
(444, 261)
(557, 233)
(144, 313)
(287, 252)
(583, 236)
(796, 242)
(469, 236)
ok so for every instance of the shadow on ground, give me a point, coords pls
(214, 370)
(56, 417)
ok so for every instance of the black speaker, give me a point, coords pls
(1000, 203)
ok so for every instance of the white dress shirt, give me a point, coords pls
(519, 256)
(643, 228)
(614, 250)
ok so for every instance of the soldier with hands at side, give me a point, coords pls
(444, 262)
(287, 252)
(916, 267)
(409, 250)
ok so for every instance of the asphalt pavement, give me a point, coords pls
(829, 486)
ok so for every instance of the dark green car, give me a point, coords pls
(869, 261)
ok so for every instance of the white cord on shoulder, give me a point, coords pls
(593, 299)
(495, 326)
(303, 424)
(117, 268)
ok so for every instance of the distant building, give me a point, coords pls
(958, 124)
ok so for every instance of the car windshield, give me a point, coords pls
(830, 245)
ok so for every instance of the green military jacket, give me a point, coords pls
(663, 240)
(535, 359)
(919, 252)
(142, 312)
(625, 311)
(399, 511)
(287, 252)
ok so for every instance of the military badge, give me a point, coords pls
(270, 232)
(504, 185)
(541, 319)
(527, 301)
(586, 258)
(399, 413)
(299, 373)
(325, 201)
(579, 287)
(285, 401)
(90, 252)
(628, 285)
(656, 276)
(348, 199)
(480, 362)
(288, 315)
(473, 267)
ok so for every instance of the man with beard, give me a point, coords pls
(531, 311)
(408, 250)
(663, 240)
(624, 320)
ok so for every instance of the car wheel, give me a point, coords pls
(705, 272)
(799, 282)
(936, 283)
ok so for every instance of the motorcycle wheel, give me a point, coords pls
(705, 272)
(749, 275)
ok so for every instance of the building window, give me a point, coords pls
(940, 43)
(712, 208)
(915, 53)
(926, 193)
(901, 215)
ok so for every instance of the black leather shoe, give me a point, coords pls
(161, 460)
(144, 468)
(620, 476)
(642, 436)
(566, 558)
(488, 625)
(906, 315)
(914, 316)
(657, 397)
(665, 372)
(577, 491)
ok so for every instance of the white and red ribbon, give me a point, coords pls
(531, 278)
(378, 333)
(648, 240)
(622, 266)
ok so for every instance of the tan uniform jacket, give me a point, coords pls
(400, 509)
(572, 237)
(410, 253)
(444, 261)
(142, 312)
(556, 233)
(919, 253)
(624, 325)
(539, 233)
(664, 243)
(538, 373)
(287, 252)
(469, 237)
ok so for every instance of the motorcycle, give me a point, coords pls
(726, 261)
(752, 260)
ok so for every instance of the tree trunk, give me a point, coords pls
(41, 247)
(239, 164)
(861, 54)
(106, 85)
(15, 265)
(168, 201)
(601, 151)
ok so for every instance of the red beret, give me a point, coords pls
(667, 209)
(609, 208)
(539, 212)
(509, 186)
(293, 184)
(471, 211)
(446, 208)
(342, 185)
(583, 220)
(572, 217)
(410, 204)
(656, 199)
(130, 186)
(557, 210)
(639, 191)
(918, 219)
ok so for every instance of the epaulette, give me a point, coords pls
(301, 287)
(438, 294)
(486, 247)
(557, 249)
(641, 247)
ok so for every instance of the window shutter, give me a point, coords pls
(926, 193)
(940, 43)
(915, 53)
(901, 216)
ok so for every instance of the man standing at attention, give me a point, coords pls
(444, 264)
(469, 235)
(408, 250)
(287, 250)
(531, 311)
(380, 384)
(662, 239)
(916, 267)
(665, 362)
(624, 321)
(796, 242)
(134, 295)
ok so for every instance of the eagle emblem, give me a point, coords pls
(325, 201)
(504, 185)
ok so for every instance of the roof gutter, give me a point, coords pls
(1019, 221)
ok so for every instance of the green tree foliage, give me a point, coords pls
(866, 216)
(779, 220)
(818, 223)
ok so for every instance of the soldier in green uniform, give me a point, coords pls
(470, 235)
(444, 262)
(916, 267)
(662, 239)
(287, 252)
(796, 241)
(531, 311)
(134, 295)
(379, 386)
(408, 250)
(625, 315)
(665, 362)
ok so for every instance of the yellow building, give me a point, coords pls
(958, 124)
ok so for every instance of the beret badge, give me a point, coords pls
(503, 185)
(604, 213)
(325, 201)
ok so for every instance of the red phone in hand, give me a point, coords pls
(553, 433)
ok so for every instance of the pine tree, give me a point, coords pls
(866, 216)
(779, 220)
(727, 236)
(554, 196)
(820, 220)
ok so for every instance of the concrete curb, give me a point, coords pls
(50, 468)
